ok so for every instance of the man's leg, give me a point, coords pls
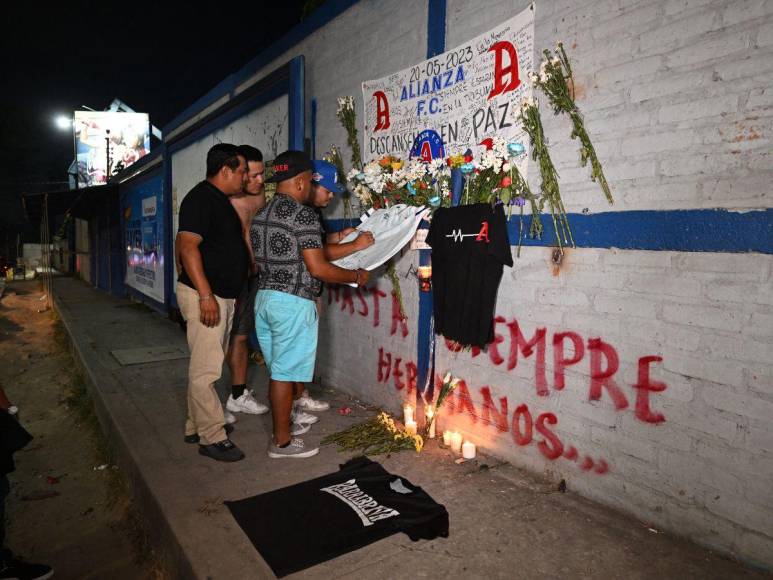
(281, 397)
(237, 363)
(207, 346)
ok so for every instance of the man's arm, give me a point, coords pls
(336, 251)
(323, 270)
(190, 257)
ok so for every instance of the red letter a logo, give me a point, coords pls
(500, 87)
(483, 233)
(382, 111)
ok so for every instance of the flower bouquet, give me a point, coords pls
(376, 436)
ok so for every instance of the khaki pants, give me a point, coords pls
(208, 348)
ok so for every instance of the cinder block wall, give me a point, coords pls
(676, 94)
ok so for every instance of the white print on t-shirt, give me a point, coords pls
(481, 236)
(367, 508)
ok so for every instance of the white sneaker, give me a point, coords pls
(229, 417)
(298, 416)
(299, 428)
(245, 404)
(309, 404)
(296, 448)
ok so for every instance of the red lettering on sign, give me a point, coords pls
(501, 71)
(363, 310)
(382, 111)
(410, 376)
(384, 365)
(522, 437)
(376, 295)
(397, 374)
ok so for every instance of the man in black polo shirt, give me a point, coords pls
(214, 260)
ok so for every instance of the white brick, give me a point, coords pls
(668, 434)
(765, 35)
(668, 84)
(692, 365)
(567, 297)
(629, 70)
(705, 317)
(697, 109)
(743, 10)
(637, 259)
(678, 32)
(626, 304)
(759, 378)
(657, 142)
(674, 7)
(719, 47)
(760, 99)
(702, 421)
(727, 263)
(745, 405)
(612, 439)
(665, 285)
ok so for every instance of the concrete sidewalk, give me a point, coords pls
(504, 523)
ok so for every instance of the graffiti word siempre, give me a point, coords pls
(604, 363)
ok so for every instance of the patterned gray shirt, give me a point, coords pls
(279, 234)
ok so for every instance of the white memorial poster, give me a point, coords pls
(466, 94)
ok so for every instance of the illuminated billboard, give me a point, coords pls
(107, 142)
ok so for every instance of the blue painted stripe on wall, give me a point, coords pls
(690, 230)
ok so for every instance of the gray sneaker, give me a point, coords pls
(299, 428)
(295, 449)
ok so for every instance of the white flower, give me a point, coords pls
(534, 77)
(556, 61)
(447, 378)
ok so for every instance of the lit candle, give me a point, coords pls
(468, 450)
(410, 427)
(447, 436)
(407, 413)
(456, 441)
(430, 413)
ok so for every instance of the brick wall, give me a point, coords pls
(676, 94)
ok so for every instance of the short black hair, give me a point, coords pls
(250, 153)
(222, 155)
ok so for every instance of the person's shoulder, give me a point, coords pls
(307, 216)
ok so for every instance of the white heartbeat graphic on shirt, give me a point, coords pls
(458, 236)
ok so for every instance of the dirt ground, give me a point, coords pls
(68, 506)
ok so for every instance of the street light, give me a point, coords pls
(63, 122)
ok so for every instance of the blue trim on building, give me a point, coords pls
(682, 230)
(296, 111)
(436, 27)
(319, 18)
(313, 129)
(696, 230)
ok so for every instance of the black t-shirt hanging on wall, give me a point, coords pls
(470, 248)
(335, 514)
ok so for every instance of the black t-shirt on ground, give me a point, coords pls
(207, 212)
(311, 522)
(470, 248)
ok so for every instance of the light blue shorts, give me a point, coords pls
(286, 327)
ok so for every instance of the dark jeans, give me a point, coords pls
(5, 554)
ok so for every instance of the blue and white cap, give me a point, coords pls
(325, 174)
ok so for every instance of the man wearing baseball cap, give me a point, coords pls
(288, 250)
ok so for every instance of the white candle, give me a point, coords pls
(447, 435)
(468, 450)
(456, 441)
(430, 414)
(407, 413)
(410, 427)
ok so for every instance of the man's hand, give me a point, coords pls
(362, 277)
(345, 232)
(364, 240)
(209, 311)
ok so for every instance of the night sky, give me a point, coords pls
(157, 58)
